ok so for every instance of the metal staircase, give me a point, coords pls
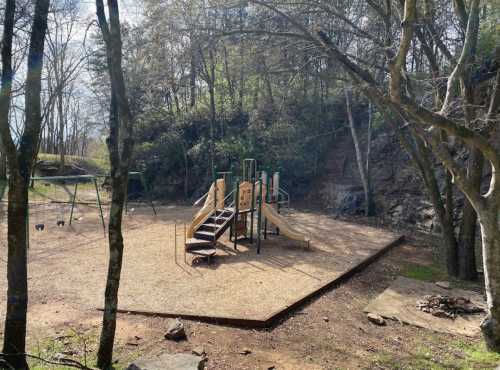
(207, 234)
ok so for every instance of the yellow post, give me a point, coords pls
(175, 242)
(185, 231)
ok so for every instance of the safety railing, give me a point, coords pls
(223, 206)
(286, 195)
(197, 203)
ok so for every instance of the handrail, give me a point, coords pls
(287, 195)
(284, 191)
(206, 194)
(231, 193)
(217, 218)
(212, 212)
(232, 204)
(201, 198)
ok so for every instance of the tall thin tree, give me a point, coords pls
(120, 145)
(20, 162)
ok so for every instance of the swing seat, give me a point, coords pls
(39, 227)
(60, 223)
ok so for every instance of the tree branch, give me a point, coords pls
(397, 65)
(465, 57)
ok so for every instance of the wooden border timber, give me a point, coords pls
(275, 317)
(333, 283)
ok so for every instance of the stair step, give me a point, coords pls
(205, 235)
(210, 226)
(195, 243)
(220, 220)
(203, 252)
(224, 214)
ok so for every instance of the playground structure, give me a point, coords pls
(259, 196)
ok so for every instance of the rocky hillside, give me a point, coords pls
(399, 193)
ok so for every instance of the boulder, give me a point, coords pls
(198, 351)
(376, 319)
(348, 199)
(245, 351)
(443, 284)
(175, 331)
(180, 361)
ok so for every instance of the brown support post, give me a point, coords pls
(236, 211)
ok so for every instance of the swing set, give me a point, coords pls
(67, 190)
(59, 194)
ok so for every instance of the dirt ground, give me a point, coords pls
(330, 332)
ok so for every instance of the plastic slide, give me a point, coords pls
(280, 222)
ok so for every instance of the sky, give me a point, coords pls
(130, 10)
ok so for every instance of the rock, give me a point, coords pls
(347, 199)
(398, 210)
(198, 351)
(443, 284)
(245, 351)
(376, 319)
(180, 361)
(176, 331)
(326, 319)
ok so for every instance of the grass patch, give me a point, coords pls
(458, 355)
(48, 192)
(77, 346)
(425, 273)
(477, 356)
(72, 345)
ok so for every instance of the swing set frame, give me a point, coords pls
(77, 179)
(92, 178)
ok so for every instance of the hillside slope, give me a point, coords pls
(399, 193)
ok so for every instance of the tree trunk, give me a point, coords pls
(267, 81)
(192, 75)
(60, 139)
(229, 79)
(17, 273)
(490, 231)
(213, 111)
(419, 154)
(452, 250)
(118, 185)
(3, 164)
(448, 230)
(186, 170)
(370, 205)
(467, 239)
(20, 166)
(241, 83)
(359, 158)
(120, 145)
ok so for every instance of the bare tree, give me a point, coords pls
(363, 163)
(120, 145)
(64, 65)
(20, 162)
(3, 164)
